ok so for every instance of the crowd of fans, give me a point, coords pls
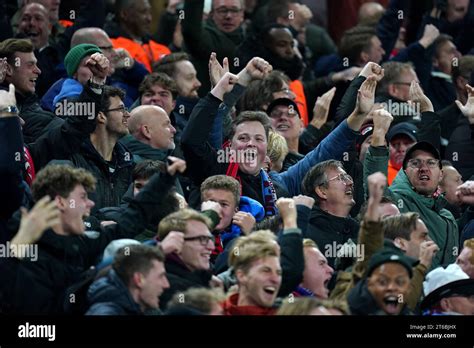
(261, 157)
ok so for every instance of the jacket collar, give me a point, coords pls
(120, 155)
(231, 308)
(402, 185)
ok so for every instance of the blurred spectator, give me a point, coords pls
(131, 31)
(134, 285)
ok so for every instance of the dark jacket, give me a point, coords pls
(37, 120)
(109, 296)
(62, 260)
(326, 229)
(181, 278)
(142, 151)
(110, 186)
(202, 38)
(11, 188)
(65, 139)
(460, 150)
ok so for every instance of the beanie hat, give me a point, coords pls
(76, 54)
(390, 255)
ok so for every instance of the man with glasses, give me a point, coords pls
(330, 225)
(220, 33)
(189, 267)
(415, 188)
(107, 159)
(285, 118)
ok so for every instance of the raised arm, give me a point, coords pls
(336, 143)
(376, 159)
(62, 142)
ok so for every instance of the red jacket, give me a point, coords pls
(231, 308)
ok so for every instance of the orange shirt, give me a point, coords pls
(297, 88)
(392, 173)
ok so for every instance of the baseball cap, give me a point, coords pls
(406, 128)
(282, 101)
(424, 146)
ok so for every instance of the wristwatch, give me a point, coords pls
(11, 109)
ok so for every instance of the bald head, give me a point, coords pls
(98, 37)
(370, 13)
(151, 125)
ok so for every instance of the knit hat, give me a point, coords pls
(76, 54)
(391, 255)
(366, 130)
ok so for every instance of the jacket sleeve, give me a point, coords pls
(371, 238)
(389, 25)
(332, 147)
(376, 160)
(349, 100)
(222, 117)
(137, 215)
(416, 286)
(291, 260)
(312, 136)
(200, 157)
(197, 40)
(63, 141)
(303, 217)
(11, 160)
(429, 129)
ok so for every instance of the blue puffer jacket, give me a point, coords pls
(110, 296)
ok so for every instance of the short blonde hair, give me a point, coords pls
(250, 248)
(304, 306)
(277, 148)
(201, 299)
(469, 243)
(309, 243)
(178, 220)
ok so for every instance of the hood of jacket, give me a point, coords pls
(143, 150)
(70, 88)
(111, 289)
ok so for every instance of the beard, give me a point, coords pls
(293, 68)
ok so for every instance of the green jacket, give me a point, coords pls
(441, 224)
